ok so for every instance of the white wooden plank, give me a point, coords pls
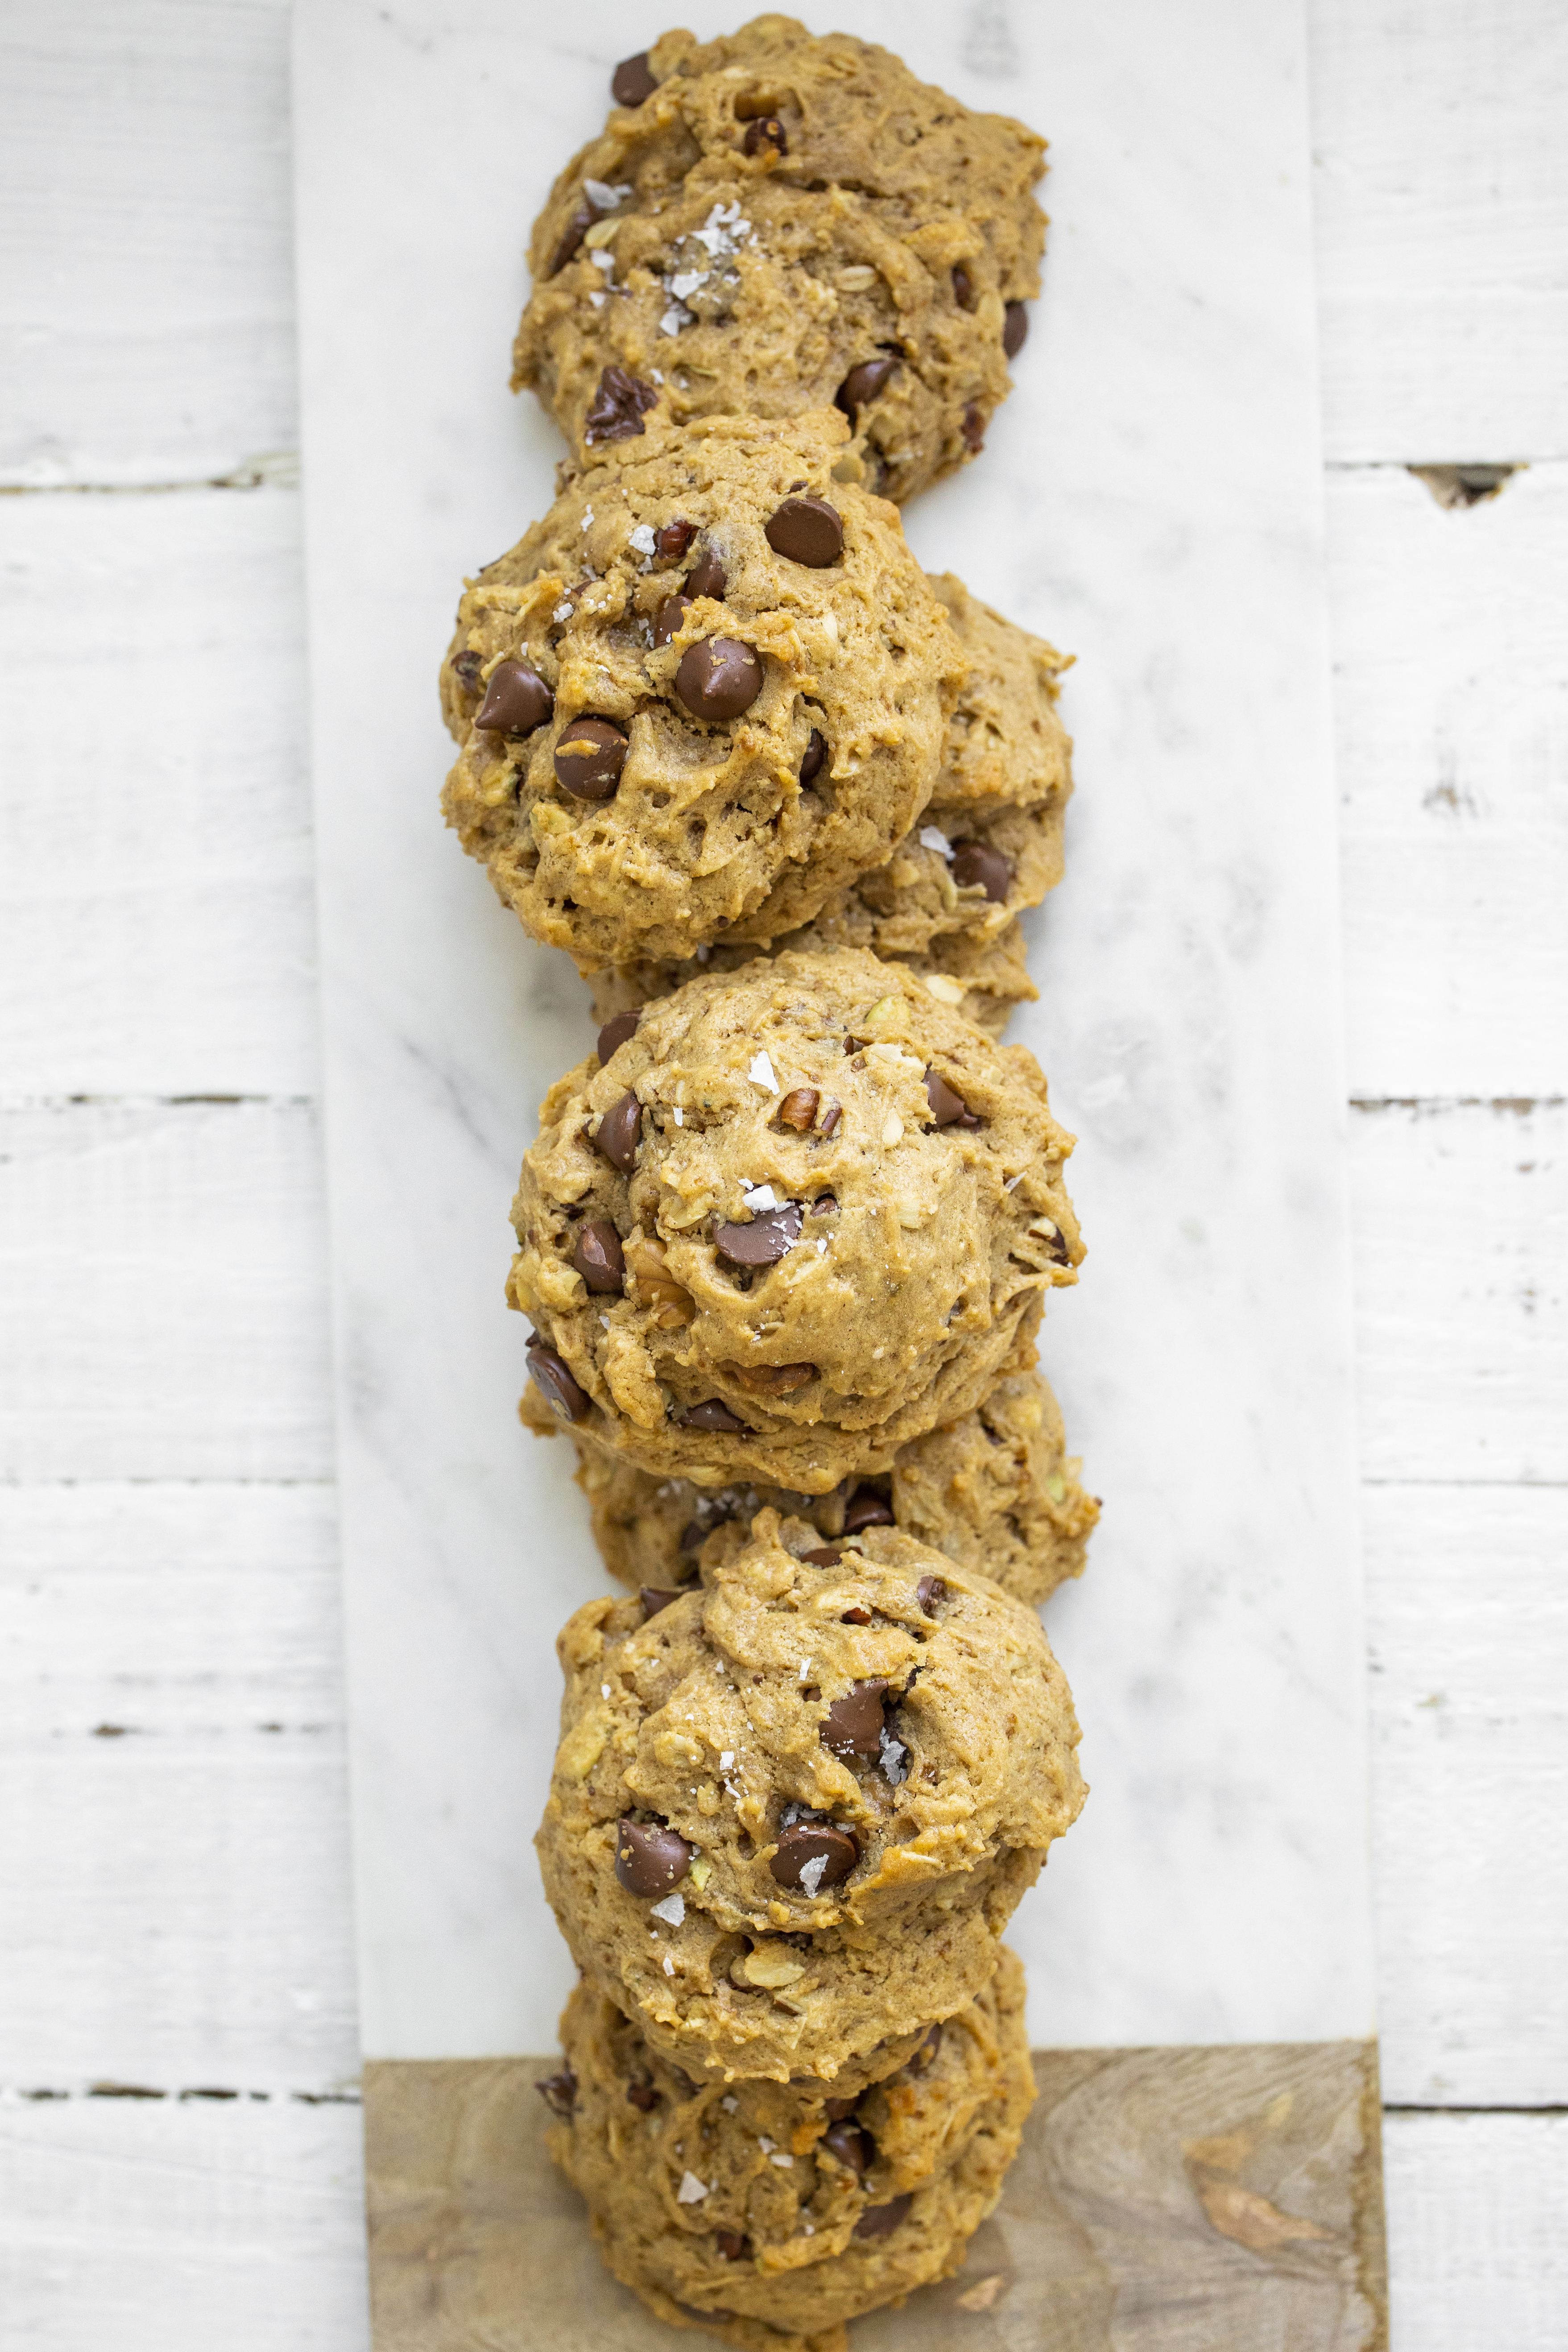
(1478, 2247)
(1459, 1225)
(181, 2226)
(166, 1291)
(1467, 1635)
(146, 285)
(1451, 724)
(156, 916)
(1441, 197)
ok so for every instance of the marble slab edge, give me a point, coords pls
(1212, 2198)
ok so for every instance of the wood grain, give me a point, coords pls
(1164, 2201)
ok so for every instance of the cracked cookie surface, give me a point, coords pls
(780, 222)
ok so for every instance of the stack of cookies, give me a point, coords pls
(786, 1234)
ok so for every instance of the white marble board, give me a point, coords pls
(1149, 498)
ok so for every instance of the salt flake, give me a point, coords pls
(811, 1872)
(727, 1759)
(669, 1966)
(607, 198)
(731, 2105)
(672, 1908)
(779, 2158)
(563, 611)
(761, 1073)
(685, 282)
(691, 2191)
(674, 319)
(1013, 1181)
(759, 1196)
(643, 538)
(932, 837)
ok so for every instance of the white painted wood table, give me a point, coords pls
(179, 2159)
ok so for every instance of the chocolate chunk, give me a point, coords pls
(576, 230)
(765, 130)
(619, 404)
(692, 1534)
(632, 80)
(1057, 1249)
(765, 1241)
(732, 2245)
(866, 1509)
(973, 428)
(517, 700)
(855, 1616)
(825, 1202)
(654, 1598)
(644, 2095)
(719, 677)
(554, 1382)
(466, 668)
(963, 287)
(925, 2056)
(650, 1857)
(589, 756)
(929, 1592)
(816, 754)
(616, 1029)
(946, 1107)
(807, 531)
(803, 1843)
(620, 1131)
(671, 540)
(798, 1109)
(974, 862)
(598, 1256)
(830, 1119)
(715, 1414)
(559, 2091)
(1015, 328)
(836, 2109)
(824, 1556)
(857, 392)
(853, 1724)
(852, 2144)
(666, 620)
(708, 577)
(880, 2221)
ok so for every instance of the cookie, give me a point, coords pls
(988, 846)
(706, 691)
(802, 1214)
(995, 1491)
(793, 1809)
(776, 2211)
(775, 222)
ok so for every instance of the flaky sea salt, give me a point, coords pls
(811, 1872)
(691, 2191)
(761, 1073)
(932, 837)
(642, 539)
(672, 1908)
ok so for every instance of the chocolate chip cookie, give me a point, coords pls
(775, 222)
(708, 690)
(793, 1808)
(801, 1214)
(780, 2211)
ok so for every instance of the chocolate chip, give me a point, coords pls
(732, 2245)
(719, 677)
(855, 1616)
(853, 1724)
(559, 2091)
(644, 2095)
(616, 1029)
(666, 620)
(798, 1109)
(852, 2144)
(765, 1241)
(945, 1106)
(807, 531)
(825, 1202)
(774, 1380)
(554, 1382)
(598, 1256)
(466, 668)
(1057, 1249)
(880, 2221)
(692, 1534)
(824, 1556)
(765, 130)
(713, 1413)
(925, 2056)
(632, 80)
(816, 754)
(620, 1131)
(1015, 328)
(963, 287)
(650, 1857)
(589, 756)
(929, 1592)
(974, 429)
(576, 230)
(974, 862)
(671, 540)
(803, 1843)
(857, 392)
(830, 1119)
(654, 1598)
(866, 1509)
(619, 404)
(517, 700)
(836, 2109)
(708, 577)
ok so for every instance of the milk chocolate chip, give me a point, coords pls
(644, 2096)
(708, 577)
(808, 1842)
(925, 2055)
(632, 81)
(654, 1597)
(973, 862)
(852, 2144)
(666, 620)
(964, 287)
(517, 700)
(559, 2091)
(719, 677)
(589, 756)
(853, 1724)
(713, 1413)
(765, 1241)
(1015, 328)
(974, 429)
(880, 2221)
(929, 1592)
(671, 540)
(806, 531)
(616, 1029)
(554, 1382)
(598, 1256)
(650, 1857)
(816, 754)
(859, 389)
(734, 2247)
(765, 130)
(865, 1508)
(619, 1131)
(947, 1109)
(619, 404)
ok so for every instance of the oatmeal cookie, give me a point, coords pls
(802, 1214)
(709, 690)
(778, 2211)
(775, 222)
(793, 1809)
